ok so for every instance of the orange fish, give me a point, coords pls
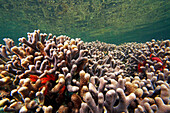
(48, 78)
(141, 64)
(62, 90)
(33, 78)
(158, 60)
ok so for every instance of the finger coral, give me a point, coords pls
(58, 74)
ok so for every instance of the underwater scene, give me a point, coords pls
(84, 56)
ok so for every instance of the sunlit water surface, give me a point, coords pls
(111, 21)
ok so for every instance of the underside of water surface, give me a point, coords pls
(111, 21)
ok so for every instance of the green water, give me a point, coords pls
(111, 21)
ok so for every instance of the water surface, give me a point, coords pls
(111, 21)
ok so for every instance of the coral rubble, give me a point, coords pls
(59, 74)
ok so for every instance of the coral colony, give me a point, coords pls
(49, 74)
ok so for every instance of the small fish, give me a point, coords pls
(155, 58)
(48, 78)
(158, 60)
(141, 64)
(44, 80)
(62, 90)
(33, 78)
(51, 77)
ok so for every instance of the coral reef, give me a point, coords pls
(58, 74)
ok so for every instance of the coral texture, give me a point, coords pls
(59, 74)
